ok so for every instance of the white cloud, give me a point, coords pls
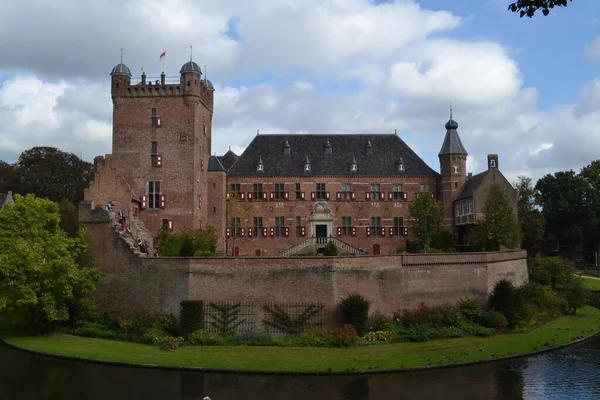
(308, 66)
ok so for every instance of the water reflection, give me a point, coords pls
(572, 373)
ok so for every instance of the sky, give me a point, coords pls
(526, 89)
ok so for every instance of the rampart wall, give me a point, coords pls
(149, 284)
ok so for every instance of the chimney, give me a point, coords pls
(162, 78)
(143, 78)
(469, 175)
(492, 161)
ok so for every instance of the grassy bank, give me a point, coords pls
(295, 359)
(591, 283)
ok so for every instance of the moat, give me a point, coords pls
(570, 373)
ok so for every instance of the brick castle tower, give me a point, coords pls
(453, 170)
(161, 142)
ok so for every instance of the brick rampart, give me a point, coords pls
(389, 282)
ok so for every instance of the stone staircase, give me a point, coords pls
(135, 230)
(313, 243)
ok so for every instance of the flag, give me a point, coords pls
(164, 53)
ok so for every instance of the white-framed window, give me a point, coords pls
(153, 194)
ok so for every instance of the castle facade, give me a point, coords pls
(285, 194)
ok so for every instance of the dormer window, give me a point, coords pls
(286, 147)
(306, 164)
(353, 165)
(260, 167)
(400, 164)
(328, 149)
(369, 147)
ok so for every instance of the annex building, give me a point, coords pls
(286, 194)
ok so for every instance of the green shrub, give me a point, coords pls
(494, 319)
(166, 322)
(415, 333)
(470, 310)
(468, 248)
(96, 330)
(555, 271)
(449, 332)
(202, 337)
(331, 250)
(574, 295)
(436, 316)
(355, 312)
(383, 336)
(542, 297)
(187, 247)
(154, 335)
(170, 343)
(443, 240)
(414, 246)
(378, 321)
(312, 337)
(191, 316)
(510, 301)
(478, 330)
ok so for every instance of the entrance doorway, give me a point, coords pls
(321, 233)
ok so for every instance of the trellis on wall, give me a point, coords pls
(229, 317)
(291, 318)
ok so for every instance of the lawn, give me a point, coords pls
(591, 283)
(306, 359)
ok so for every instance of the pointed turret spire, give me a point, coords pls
(452, 143)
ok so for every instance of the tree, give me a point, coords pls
(529, 7)
(554, 271)
(39, 275)
(50, 173)
(575, 295)
(531, 221)
(590, 175)
(69, 218)
(499, 226)
(425, 216)
(7, 177)
(564, 205)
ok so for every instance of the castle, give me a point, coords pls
(285, 194)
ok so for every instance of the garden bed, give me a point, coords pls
(366, 358)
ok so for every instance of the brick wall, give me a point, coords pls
(389, 282)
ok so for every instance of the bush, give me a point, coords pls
(478, 330)
(202, 337)
(311, 337)
(166, 322)
(191, 316)
(355, 312)
(170, 343)
(96, 330)
(542, 297)
(449, 332)
(343, 337)
(494, 319)
(415, 333)
(331, 250)
(383, 336)
(414, 246)
(443, 240)
(468, 248)
(510, 301)
(470, 310)
(378, 321)
(154, 336)
(574, 295)
(187, 247)
(436, 316)
(554, 271)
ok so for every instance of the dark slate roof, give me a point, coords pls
(471, 185)
(121, 69)
(387, 149)
(228, 159)
(190, 66)
(214, 164)
(452, 143)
